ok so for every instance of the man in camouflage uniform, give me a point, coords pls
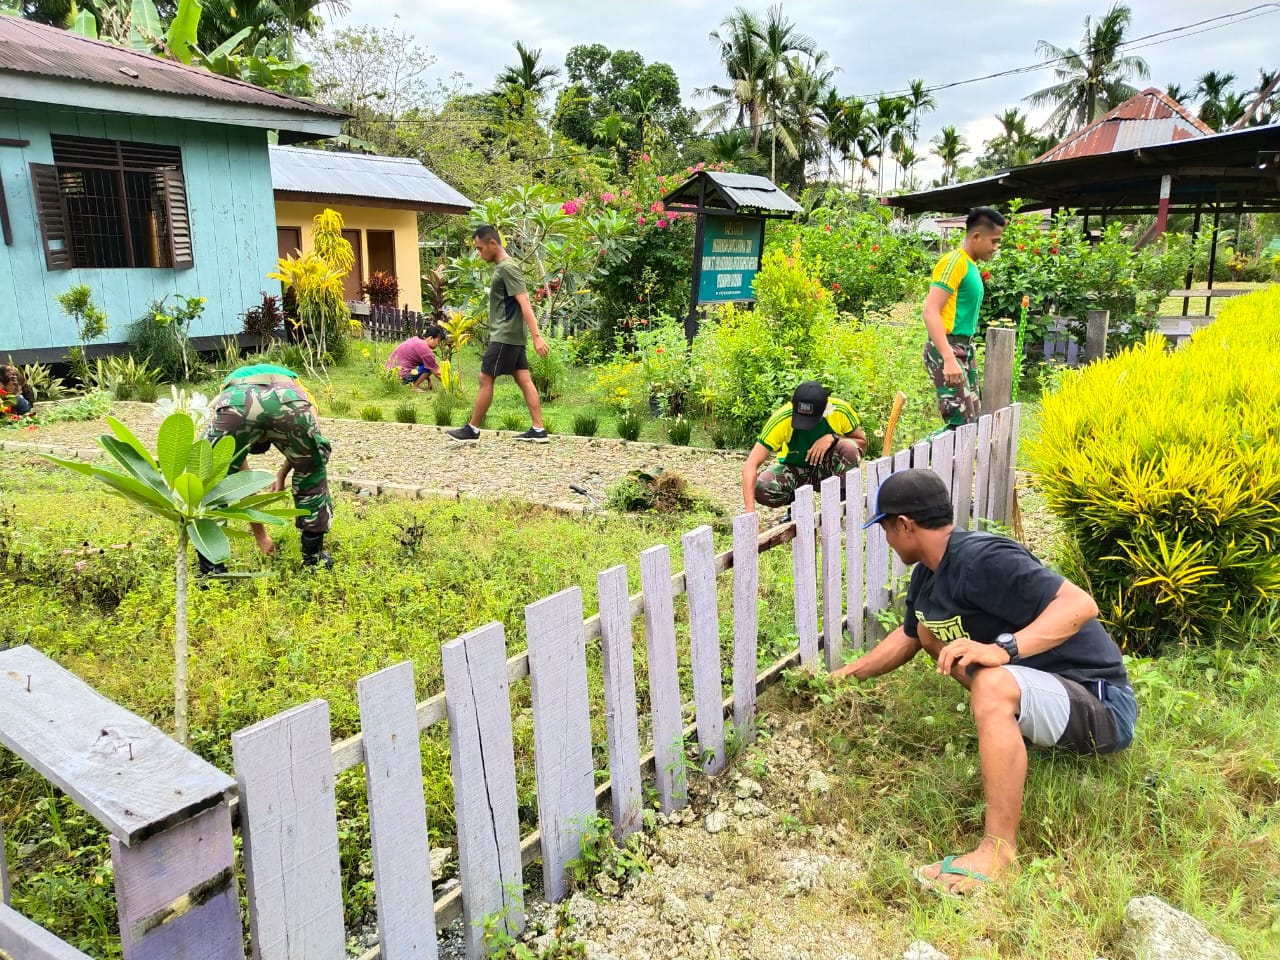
(951, 311)
(262, 406)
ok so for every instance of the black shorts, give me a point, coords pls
(503, 359)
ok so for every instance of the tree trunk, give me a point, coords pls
(180, 640)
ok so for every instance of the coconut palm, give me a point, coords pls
(742, 52)
(1092, 80)
(889, 118)
(799, 124)
(1213, 88)
(949, 146)
(783, 45)
(731, 146)
(919, 102)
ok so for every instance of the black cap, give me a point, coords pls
(808, 404)
(912, 493)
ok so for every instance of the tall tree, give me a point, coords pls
(1176, 93)
(1213, 88)
(919, 102)
(949, 146)
(783, 45)
(799, 123)
(522, 85)
(889, 118)
(743, 56)
(1092, 80)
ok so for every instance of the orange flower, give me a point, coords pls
(1026, 301)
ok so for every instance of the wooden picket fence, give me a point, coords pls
(285, 766)
(392, 324)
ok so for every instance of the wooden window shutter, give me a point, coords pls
(175, 199)
(52, 213)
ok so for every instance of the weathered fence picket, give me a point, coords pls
(902, 460)
(285, 766)
(804, 562)
(482, 759)
(397, 814)
(664, 678)
(746, 622)
(856, 600)
(622, 723)
(832, 575)
(284, 771)
(704, 645)
(561, 732)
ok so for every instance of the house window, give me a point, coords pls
(111, 203)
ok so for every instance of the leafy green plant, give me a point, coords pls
(187, 484)
(264, 321)
(406, 412)
(90, 321)
(43, 383)
(510, 420)
(442, 410)
(629, 425)
(679, 431)
(606, 865)
(663, 492)
(585, 425)
(339, 407)
(90, 406)
(371, 412)
(537, 943)
(549, 372)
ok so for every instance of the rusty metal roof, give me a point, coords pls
(402, 182)
(34, 48)
(1146, 119)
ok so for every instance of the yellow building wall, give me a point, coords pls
(403, 222)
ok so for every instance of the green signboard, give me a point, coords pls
(730, 258)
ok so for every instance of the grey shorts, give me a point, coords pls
(1066, 715)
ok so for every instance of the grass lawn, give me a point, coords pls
(1172, 306)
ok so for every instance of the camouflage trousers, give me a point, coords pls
(956, 405)
(256, 415)
(776, 485)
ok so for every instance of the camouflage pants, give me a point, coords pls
(776, 485)
(956, 405)
(257, 414)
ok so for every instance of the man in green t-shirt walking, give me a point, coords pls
(511, 319)
(951, 317)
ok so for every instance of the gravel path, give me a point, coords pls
(417, 459)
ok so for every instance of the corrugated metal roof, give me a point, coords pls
(401, 180)
(751, 191)
(35, 48)
(1144, 120)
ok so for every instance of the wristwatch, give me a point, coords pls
(1009, 644)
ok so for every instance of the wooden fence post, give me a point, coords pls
(563, 768)
(877, 552)
(397, 814)
(164, 807)
(289, 821)
(855, 560)
(997, 380)
(621, 721)
(704, 646)
(23, 940)
(482, 758)
(832, 575)
(4, 873)
(962, 474)
(982, 470)
(746, 621)
(664, 679)
(1095, 339)
(805, 577)
(897, 569)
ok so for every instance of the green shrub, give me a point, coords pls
(510, 420)
(679, 431)
(371, 412)
(585, 424)
(1165, 470)
(662, 492)
(339, 407)
(549, 372)
(161, 338)
(43, 383)
(629, 425)
(406, 412)
(442, 410)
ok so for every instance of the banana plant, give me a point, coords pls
(188, 484)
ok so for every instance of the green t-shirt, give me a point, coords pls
(957, 274)
(506, 324)
(792, 445)
(259, 370)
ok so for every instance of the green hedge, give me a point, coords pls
(1164, 467)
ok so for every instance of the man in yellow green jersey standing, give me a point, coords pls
(951, 318)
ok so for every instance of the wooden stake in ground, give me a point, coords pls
(898, 402)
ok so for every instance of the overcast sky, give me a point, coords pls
(876, 46)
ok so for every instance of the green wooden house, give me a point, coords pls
(136, 175)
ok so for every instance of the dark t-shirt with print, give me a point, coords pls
(988, 585)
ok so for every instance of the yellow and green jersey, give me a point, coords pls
(957, 274)
(791, 445)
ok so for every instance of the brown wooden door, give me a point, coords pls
(288, 241)
(354, 281)
(382, 251)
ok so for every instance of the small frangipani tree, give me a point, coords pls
(186, 483)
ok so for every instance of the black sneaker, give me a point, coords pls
(320, 559)
(533, 435)
(464, 434)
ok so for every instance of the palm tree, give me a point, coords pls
(890, 116)
(781, 43)
(742, 52)
(1213, 89)
(731, 146)
(1093, 80)
(948, 146)
(799, 126)
(1233, 108)
(1175, 93)
(528, 81)
(1267, 91)
(919, 102)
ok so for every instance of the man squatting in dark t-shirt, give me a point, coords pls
(1039, 667)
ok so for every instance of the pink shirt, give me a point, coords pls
(412, 354)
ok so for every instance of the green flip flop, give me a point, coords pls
(948, 868)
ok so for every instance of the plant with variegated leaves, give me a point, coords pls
(187, 482)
